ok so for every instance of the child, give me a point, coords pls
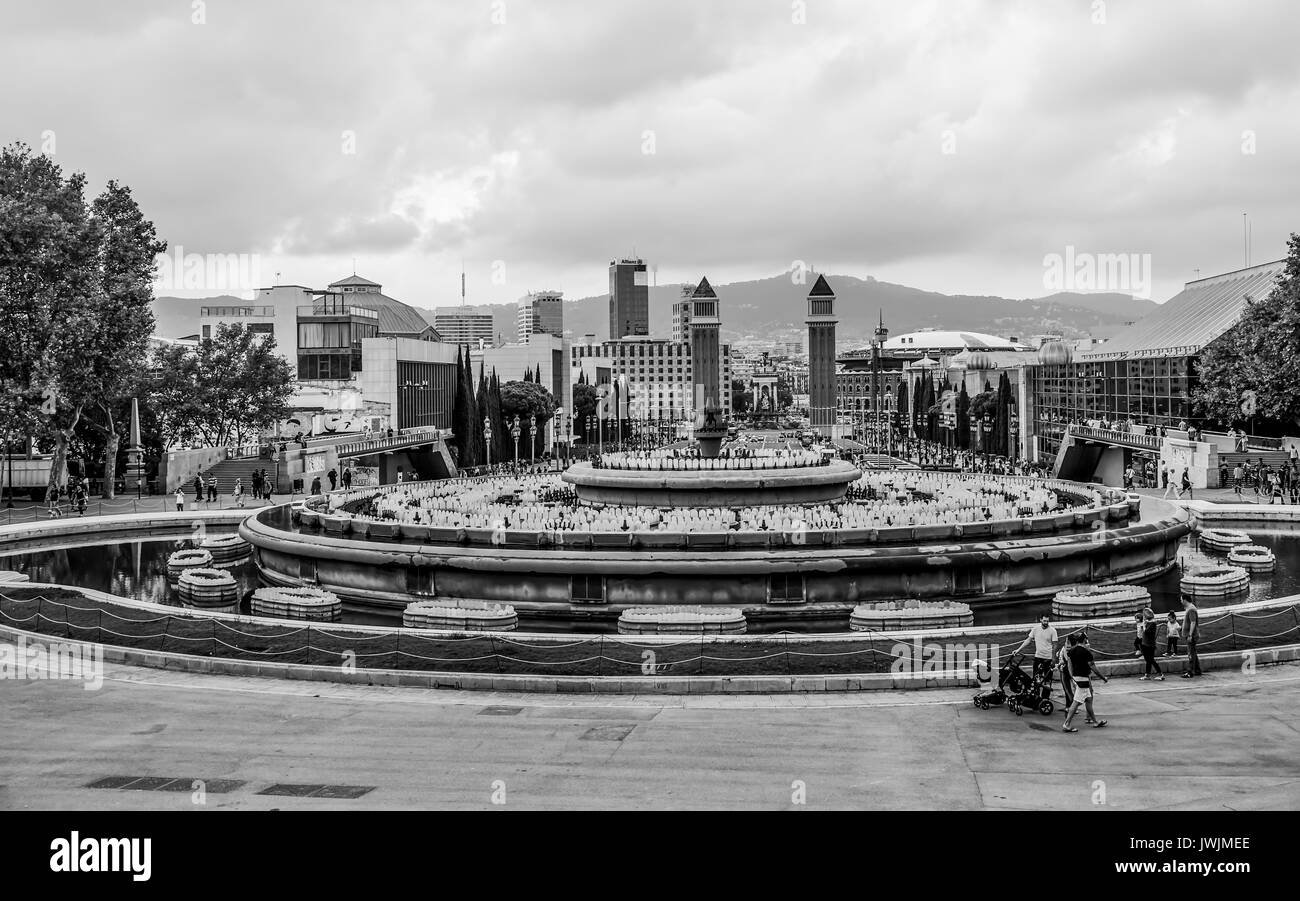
(1174, 630)
(1139, 625)
(180, 500)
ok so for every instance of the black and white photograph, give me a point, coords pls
(420, 408)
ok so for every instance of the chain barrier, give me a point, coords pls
(86, 619)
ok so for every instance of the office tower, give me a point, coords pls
(629, 299)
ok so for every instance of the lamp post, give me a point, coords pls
(9, 460)
(514, 433)
(487, 439)
(532, 437)
(1012, 444)
(558, 422)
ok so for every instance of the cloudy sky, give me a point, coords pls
(945, 145)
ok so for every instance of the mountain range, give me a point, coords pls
(768, 307)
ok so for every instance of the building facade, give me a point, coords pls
(541, 311)
(659, 375)
(629, 299)
(1144, 376)
(458, 327)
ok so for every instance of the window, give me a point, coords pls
(967, 580)
(786, 588)
(587, 590)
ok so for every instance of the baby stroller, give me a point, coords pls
(1018, 690)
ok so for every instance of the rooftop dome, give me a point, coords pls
(947, 342)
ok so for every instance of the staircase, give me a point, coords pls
(227, 471)
(1271, 458)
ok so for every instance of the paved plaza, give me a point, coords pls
(1225, 742)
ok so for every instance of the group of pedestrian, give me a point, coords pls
(261, 489)
(1078, 664)
(75, 495)
(1182, 484)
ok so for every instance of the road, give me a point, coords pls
(1225, 742)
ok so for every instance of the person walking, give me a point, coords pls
(238, 492)
(1067, 677)
(315, 485)
(1168, 484)
(180, 501)
(1082, 665)
(256, 483)
(1186, 485)
(1148, 645)
(1172, 632)
(333, 476)
(347, 478)
(212, 489)
(1237, 475)
(1044, 641)
(1192, 630)
(198, 489)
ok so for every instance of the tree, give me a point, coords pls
(963, 417)
(739, 398)
(229, 389)
(784, 396)
(1259, 353)
(584, 405)
(75, 295)
(525, 399)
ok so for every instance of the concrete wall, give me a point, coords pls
(179, 467)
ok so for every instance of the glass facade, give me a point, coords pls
(329, 343)
(1149, 391)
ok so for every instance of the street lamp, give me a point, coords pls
(487, 438)
(9, 459)
(558, 423)
(532, 437)
(514, 433)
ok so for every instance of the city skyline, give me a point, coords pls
(997, 138)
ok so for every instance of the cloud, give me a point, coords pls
(948, 146)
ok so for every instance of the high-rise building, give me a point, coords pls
(629, 299)
(821, 356)
(459, 327)
(540, 311)
(682, 316)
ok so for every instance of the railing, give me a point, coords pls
(1253, 442)
(405, 438)
(337, 310)
(1128, 439)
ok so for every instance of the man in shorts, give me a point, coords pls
(1082, 667)
(1044, 638)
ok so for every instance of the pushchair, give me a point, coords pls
(1019, 690)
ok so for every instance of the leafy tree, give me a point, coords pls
(739, 397)
(75, 295)
(1259, 353)
(525, 399)
(233, 386)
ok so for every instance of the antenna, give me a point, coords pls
(354, 265)
(1245, 239)
(462, 283)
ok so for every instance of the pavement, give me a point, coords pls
(26, 511)
(1226, 741)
